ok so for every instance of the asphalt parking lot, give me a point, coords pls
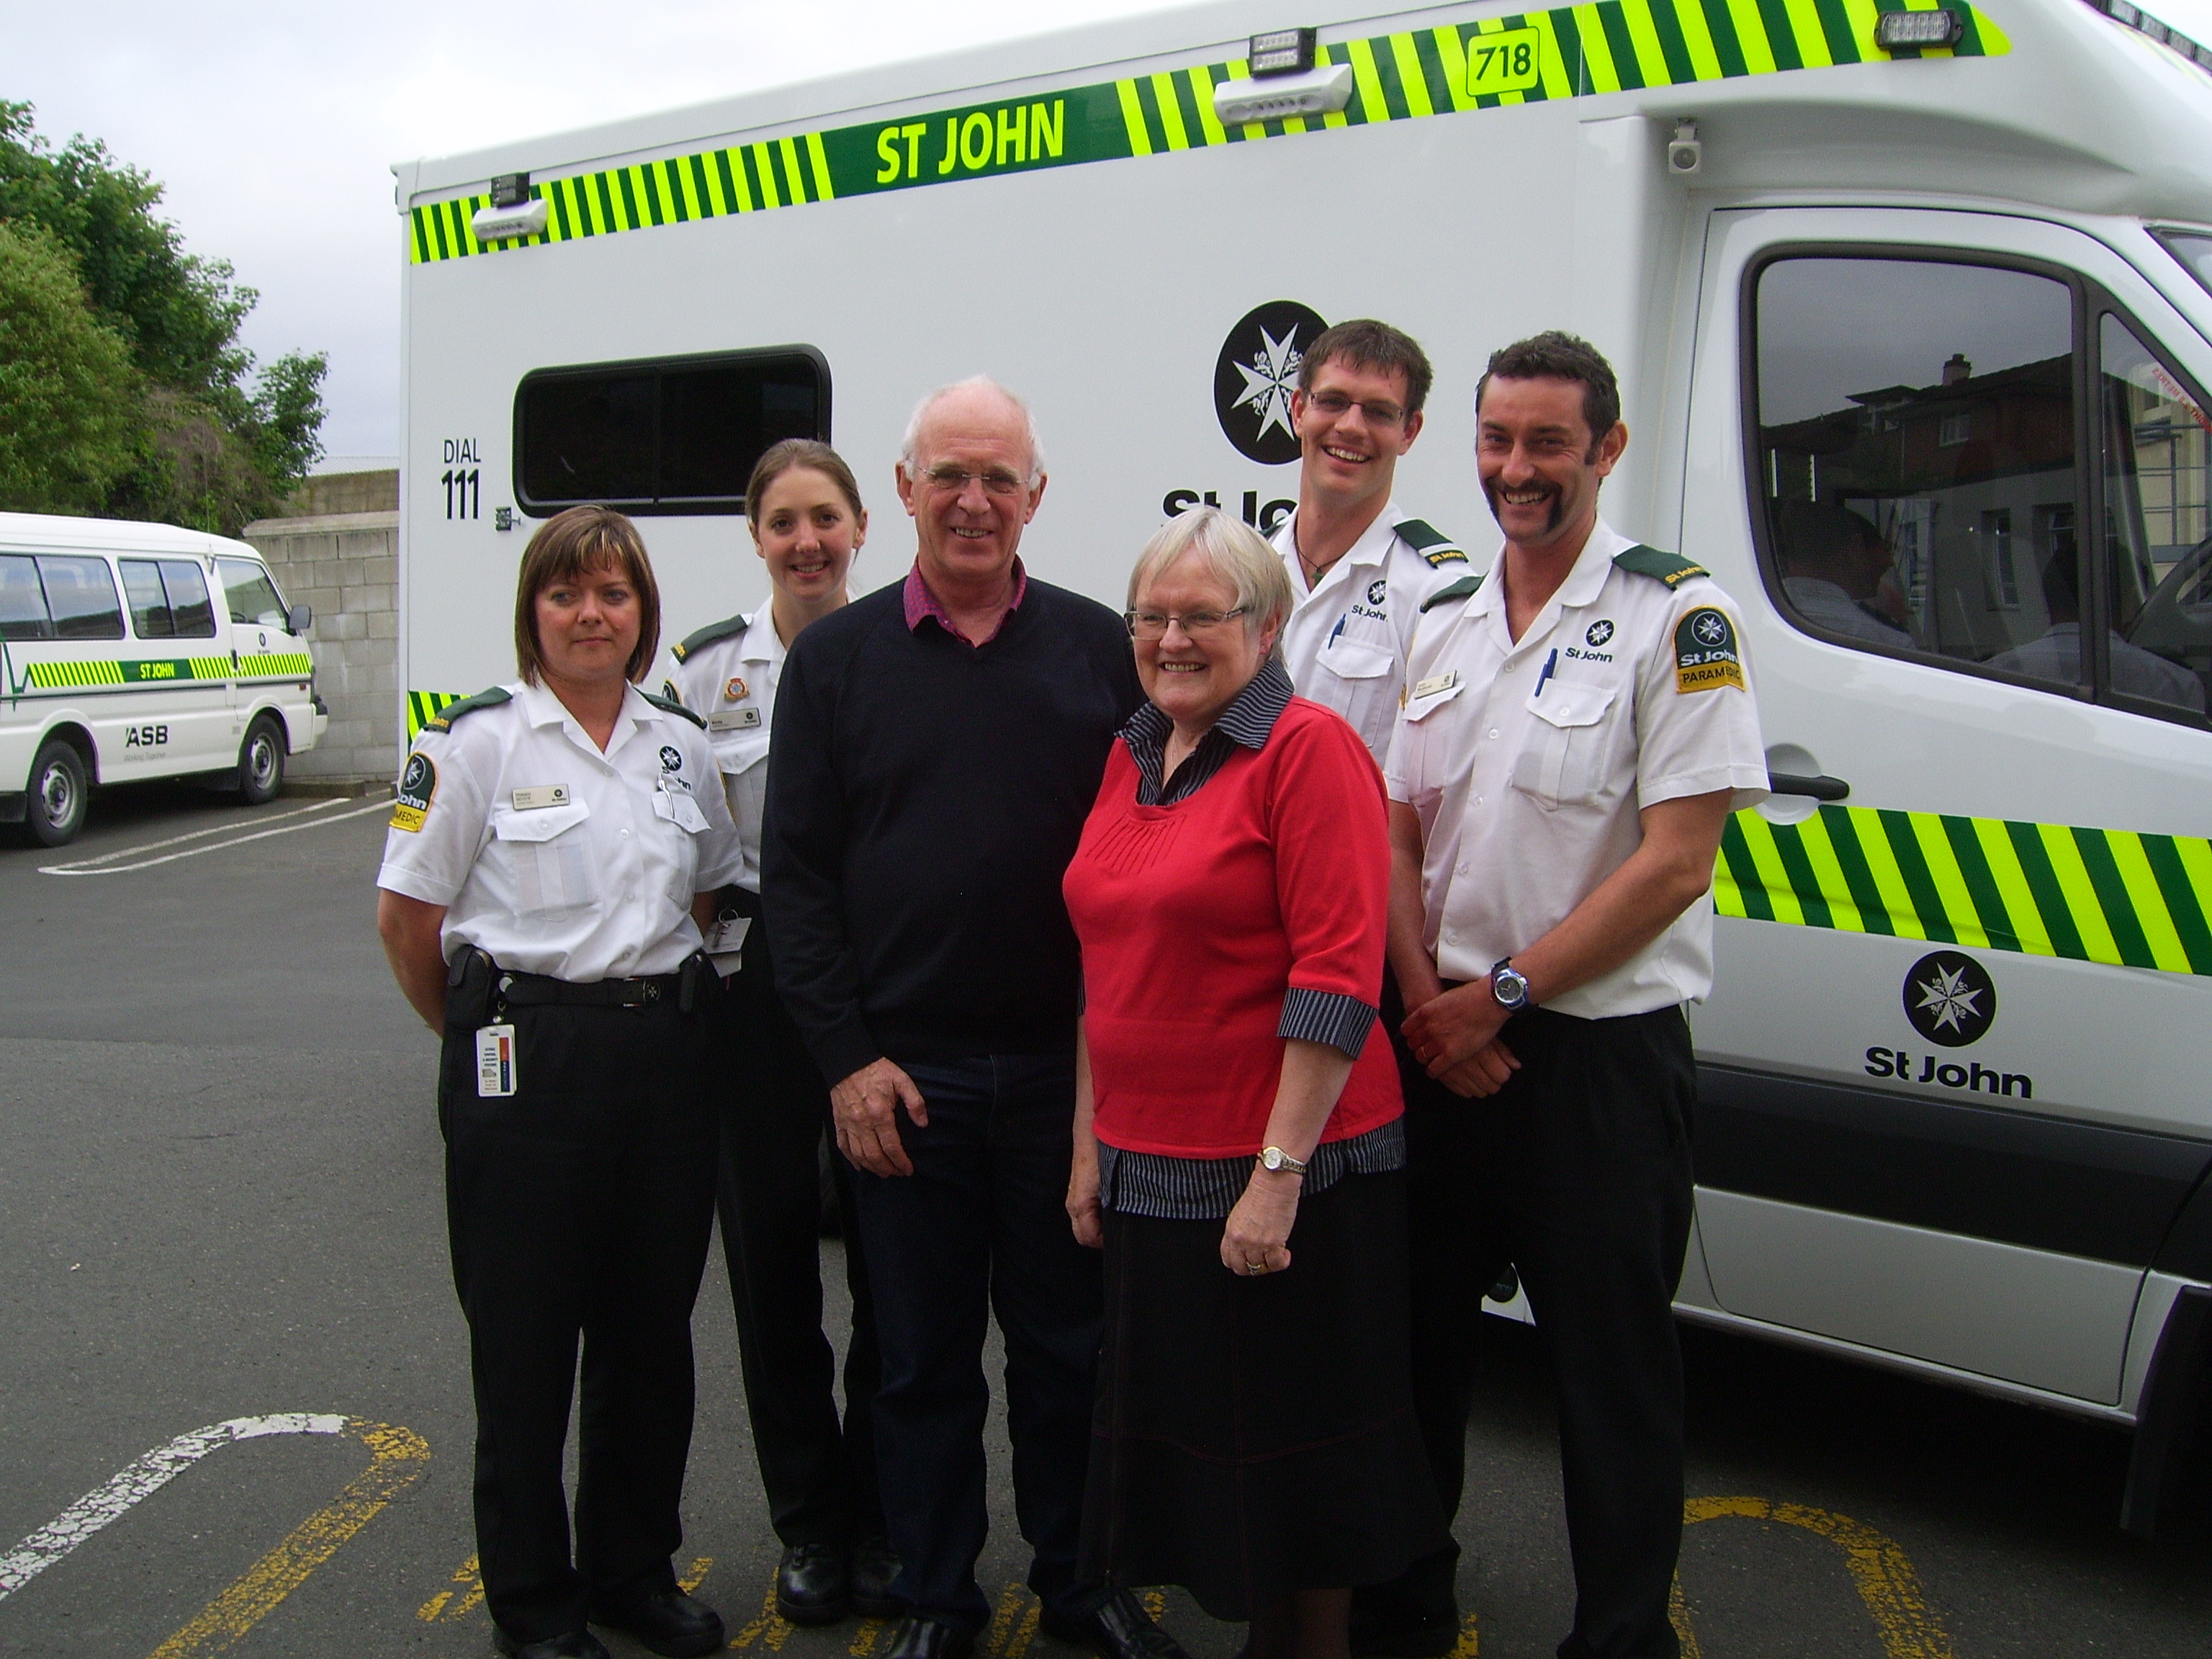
(220, 1211)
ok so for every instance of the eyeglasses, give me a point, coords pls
(1336, 404)
(1149, 625)
(955, 480)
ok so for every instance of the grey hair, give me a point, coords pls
(1233, 553)
(910, 445)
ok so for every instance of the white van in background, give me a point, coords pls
(131, 651)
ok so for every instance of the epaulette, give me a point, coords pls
(443, 719)
(670, 706)
(1430, 543)
(1671, 568)
(1458, 590)
(706, 635)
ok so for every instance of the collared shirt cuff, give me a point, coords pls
(1340, 1021)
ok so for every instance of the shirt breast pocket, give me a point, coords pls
(549, 851)
(738, 752)
(1563, 753)
(1356, 660)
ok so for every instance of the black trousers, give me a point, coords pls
(819, 1472)
(1578, 1173)
(580, 1207)
(981, 1227)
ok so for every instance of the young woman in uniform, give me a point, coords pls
(820, 1475)
(556, 845)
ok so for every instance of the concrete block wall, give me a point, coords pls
(345, 563)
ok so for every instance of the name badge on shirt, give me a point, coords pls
(1436, 683)
(733, 719)
(495, 1061)
(541, 795)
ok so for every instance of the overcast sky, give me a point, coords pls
(273, 126)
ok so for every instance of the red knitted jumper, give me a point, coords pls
(1195, 919)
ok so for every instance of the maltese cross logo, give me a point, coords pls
(1710, 630)
(1950, 998)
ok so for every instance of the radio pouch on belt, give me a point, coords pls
(470, 979)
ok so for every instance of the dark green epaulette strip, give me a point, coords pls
(706, 635)
(443, 719)
(1458, 590)
(670, 706)
(1671, 568)
(1430, 543)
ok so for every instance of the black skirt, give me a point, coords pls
(1255, 1435)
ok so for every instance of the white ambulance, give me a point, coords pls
(132, 651)
(1912, 306)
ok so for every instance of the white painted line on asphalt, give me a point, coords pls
(139, 1479)
(197, 834)
(92, 867)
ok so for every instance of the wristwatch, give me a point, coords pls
(1509, 986)
(1275, 1158)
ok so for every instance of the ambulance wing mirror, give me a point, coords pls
(300, 618)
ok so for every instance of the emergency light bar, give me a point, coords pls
(498, 224)
(1320, 91)
(1940, 27)
(2143, 23)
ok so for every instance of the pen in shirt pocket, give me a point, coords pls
(1545, 673)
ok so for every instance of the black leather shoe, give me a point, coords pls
(875, 1569)
(1117, 1628)
(814, 1584)
(668, 1622)
(577, 1644)
(915, 1637)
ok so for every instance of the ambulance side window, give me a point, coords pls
(23, 601)
(186, 586)
(80, 598)
(2157, 541)
(254, 600)
(1917, 466)
(667, 436)
(149, 602)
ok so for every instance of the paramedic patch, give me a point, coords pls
(418, 787)
(1706, 652)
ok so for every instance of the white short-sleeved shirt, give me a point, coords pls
(1529, 798)
(552, 857)
(1346, 642)
(730, 683)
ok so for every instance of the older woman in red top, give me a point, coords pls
(1239, 1148)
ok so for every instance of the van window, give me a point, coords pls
(1916, 430)
(2194, 249)
(671, 435)
(149, 603)
(23, 601)
(80, 597)
(254, 600)
(168, 600)
(2157, 463)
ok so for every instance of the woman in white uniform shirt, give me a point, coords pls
(819, 1472)
(557, 843)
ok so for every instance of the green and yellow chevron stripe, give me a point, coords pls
(159, 670)
(422, 707)
(1571, 51)
(2108, 896)
(287, 664)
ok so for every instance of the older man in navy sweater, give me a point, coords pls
(936, 746)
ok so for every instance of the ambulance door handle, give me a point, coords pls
(1823, 787)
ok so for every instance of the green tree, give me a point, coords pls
(70, 428)
(218, 444)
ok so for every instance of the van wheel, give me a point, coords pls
(56, 799)
(261, 762)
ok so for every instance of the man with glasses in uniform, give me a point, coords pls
(1360, 568)
(938, 745)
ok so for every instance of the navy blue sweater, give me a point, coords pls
(924, 799)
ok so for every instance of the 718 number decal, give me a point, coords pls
(1505, 62)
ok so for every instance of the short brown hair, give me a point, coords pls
(566, 545)
(791, 455)
(1555, 354)
(1366, 343)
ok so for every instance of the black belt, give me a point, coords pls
(641, 991)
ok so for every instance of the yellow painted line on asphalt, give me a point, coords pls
(1678, 1614)
(396, 1457)
(457, 1603)
(769, 1628)
(1879, 1570)
(700, 1567)
(1467, 1646)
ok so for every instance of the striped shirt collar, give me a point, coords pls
(921, 604)
(1248, 722)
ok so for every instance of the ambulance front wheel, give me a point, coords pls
(261, 762)
(57, 794)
